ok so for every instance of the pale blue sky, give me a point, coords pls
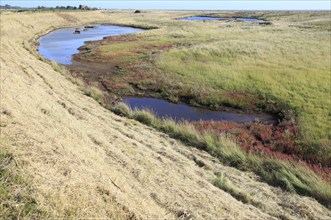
(187, 5)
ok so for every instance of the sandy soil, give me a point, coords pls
(86, 161)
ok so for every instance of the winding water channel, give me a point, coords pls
(164, 109)
(60, 45)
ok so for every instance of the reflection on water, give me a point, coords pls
(199, 18)
(164, 109)
(60, 45)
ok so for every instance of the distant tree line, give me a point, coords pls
(41, 8)
(69, 7)
(9, 7)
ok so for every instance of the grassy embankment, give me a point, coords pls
(282, 68)
(63, 142)
(23, 194)
(16, 200)
(289, 175)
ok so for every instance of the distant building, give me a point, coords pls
(83, 7)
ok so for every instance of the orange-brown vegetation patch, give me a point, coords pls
(277, 141)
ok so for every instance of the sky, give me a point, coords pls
(184, 5)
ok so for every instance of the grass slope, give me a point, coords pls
(288, 175)
(16, 200)
(85, 162)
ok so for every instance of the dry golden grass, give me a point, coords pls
(85, 162)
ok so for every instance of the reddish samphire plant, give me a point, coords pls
(277, 141)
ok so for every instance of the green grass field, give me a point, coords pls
(282, 68)
(275, 64)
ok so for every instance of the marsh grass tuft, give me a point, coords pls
(122, 110)
(225, 184)
(94, 92)
(144, 116)
(185, 132)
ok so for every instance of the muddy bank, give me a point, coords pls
(123, 73)
(108, 77)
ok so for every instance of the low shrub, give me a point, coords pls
(95, 93)
(122, 109)
(184, 132)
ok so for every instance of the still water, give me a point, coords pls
(61, 44)
(165, 109)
